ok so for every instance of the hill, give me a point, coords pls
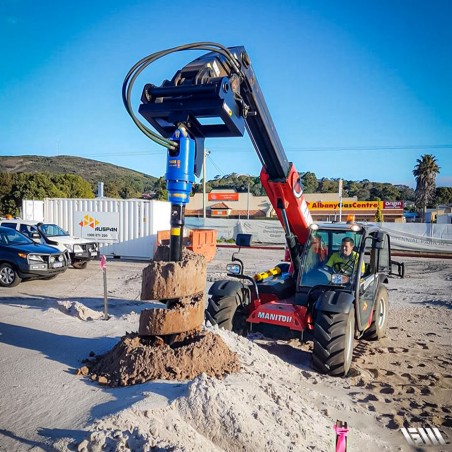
(91, 170)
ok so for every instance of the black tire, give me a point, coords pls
(227, 313)
(333, 342)
(8, 276)
(377, 329)
(80, 265)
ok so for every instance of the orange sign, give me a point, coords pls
(233, 196)
(219, 213)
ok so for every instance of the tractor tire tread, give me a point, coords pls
(329, 343)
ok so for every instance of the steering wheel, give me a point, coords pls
(337, 267)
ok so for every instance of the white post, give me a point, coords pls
(248, 201)
(103, 266)
(340, 200)
(204, 186)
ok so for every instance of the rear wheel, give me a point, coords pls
(377, 329)
(227, 313)
(333, 342)
(8, 276)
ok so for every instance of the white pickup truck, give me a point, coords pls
(80, 251)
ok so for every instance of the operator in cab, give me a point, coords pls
(345, 261)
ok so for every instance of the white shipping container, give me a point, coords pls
(139, 222)
(32, 210)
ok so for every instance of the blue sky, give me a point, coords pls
(357, 89)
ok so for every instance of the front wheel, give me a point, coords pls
(80, 265)
(377, 329)
(8, 276)
(333, 342)
(227, 313)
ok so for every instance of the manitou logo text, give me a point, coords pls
(274, 317)
(423, 436)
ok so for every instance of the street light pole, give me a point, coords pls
(248, 201)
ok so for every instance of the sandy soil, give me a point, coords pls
(276, 402)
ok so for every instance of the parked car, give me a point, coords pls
(80, 251)
(21, 258)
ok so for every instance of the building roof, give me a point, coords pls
(219, 205)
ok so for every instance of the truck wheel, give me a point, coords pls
(377, 329)
(333, 342)
(227, 312)
(80, 265)
(8, 276)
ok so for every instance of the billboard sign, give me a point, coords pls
(335, 205)
(233, 196)
(392, 204)
(97, 226)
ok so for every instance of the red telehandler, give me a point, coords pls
(218, 95)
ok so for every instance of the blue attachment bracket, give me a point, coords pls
(180, 168)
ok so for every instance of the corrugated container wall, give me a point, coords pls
(139, 221)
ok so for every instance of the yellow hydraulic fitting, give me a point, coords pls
(264, 275)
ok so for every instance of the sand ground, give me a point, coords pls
(276, 402)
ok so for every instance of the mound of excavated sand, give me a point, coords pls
(79, 310)
(137, 359)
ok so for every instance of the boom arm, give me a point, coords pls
(223, 85)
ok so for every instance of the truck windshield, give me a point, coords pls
(52, 230)
(319, 251)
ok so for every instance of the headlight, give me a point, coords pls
(35, 257)
(235, 269)
(51, 259)
(78, 249)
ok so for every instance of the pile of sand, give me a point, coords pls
(138, 359)
(79, 310)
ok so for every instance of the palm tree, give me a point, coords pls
(425, 173)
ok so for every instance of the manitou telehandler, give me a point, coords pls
(218, 95)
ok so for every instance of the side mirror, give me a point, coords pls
(243, 240)
(400, 269)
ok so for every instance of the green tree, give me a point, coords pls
(379, 215)
(425, 173)
(328, 185)
(72, 186)
(28, 186)
(161, 193)
(406, 193)
(111, 190)
(443, 195)
(310, 182)
(389, 193)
